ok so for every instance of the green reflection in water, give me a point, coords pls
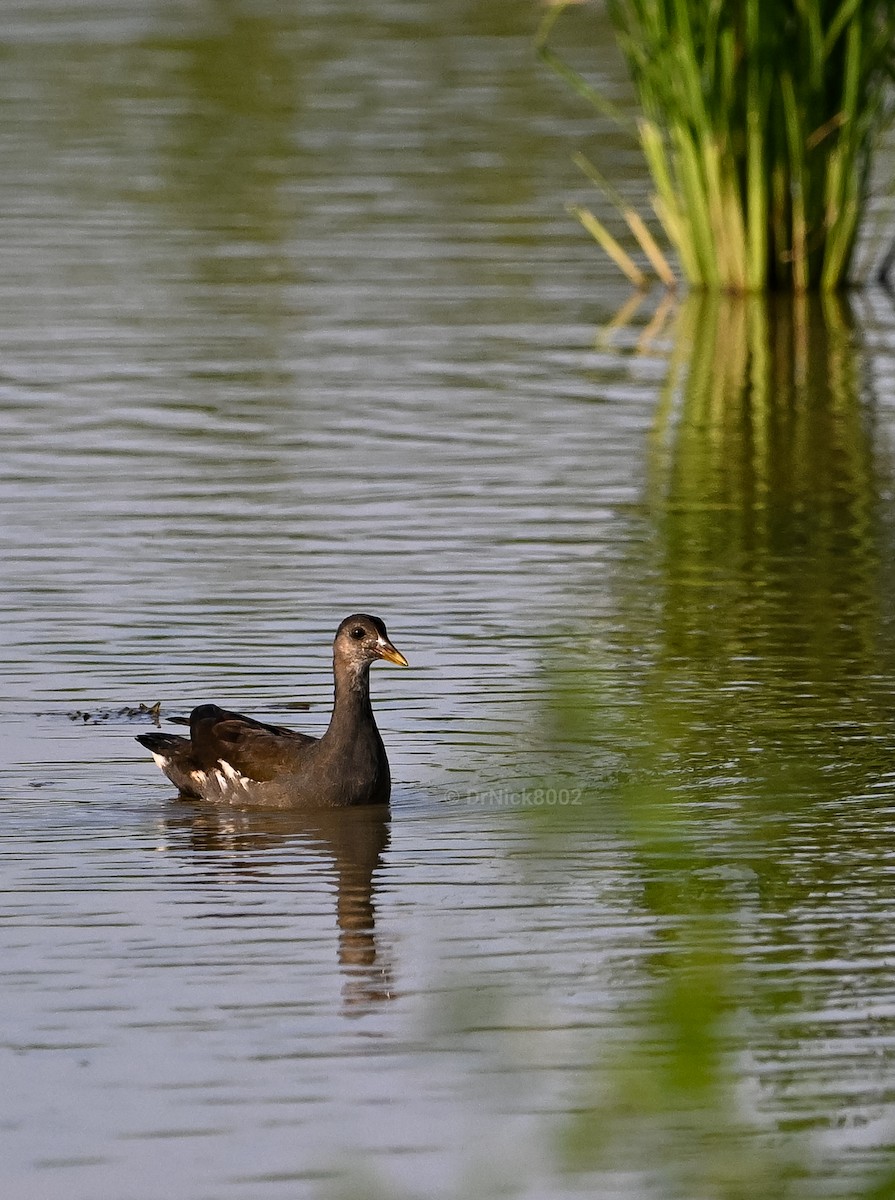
(229, 144)
(753, 611)
(764, 491)
(745, 685)
(772, 652)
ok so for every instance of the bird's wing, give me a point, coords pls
(255, 750)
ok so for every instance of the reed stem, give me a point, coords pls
(760, 119)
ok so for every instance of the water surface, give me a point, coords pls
(295, 323)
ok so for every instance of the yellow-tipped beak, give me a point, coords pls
(387, 651)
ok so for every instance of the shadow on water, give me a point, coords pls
(349, 844)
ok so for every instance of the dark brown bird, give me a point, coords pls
(232, 759)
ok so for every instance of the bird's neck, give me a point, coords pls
(352, 709)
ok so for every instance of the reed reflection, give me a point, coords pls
(351, 842)
(749, 664)
(747, 671)
(765, 636)
(765, 493)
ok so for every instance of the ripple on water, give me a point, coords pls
(322, 342)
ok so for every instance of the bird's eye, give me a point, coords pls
(358, 632)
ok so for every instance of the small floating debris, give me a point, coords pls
(128, 712)
(140, 712)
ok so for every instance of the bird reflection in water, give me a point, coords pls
(350, 841)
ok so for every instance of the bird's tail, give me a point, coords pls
(162, 743)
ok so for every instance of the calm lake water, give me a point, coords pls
(294, 322)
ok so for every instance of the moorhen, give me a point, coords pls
(232, 759)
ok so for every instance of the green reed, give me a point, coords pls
(758, 125)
